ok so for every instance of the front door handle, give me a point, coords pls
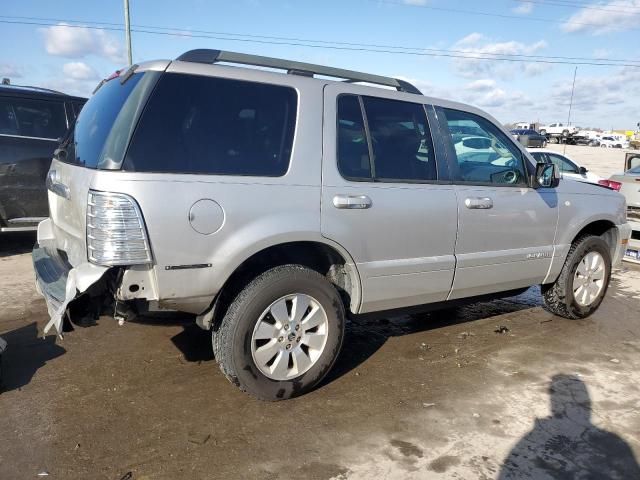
(352, 201)
(481, 203)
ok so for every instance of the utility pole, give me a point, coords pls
(127, 31)
(575, 72)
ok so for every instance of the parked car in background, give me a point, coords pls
(614, 142)
(558, 129)
(529, 138)
(628, 184)
(32, 123)
(568, 167)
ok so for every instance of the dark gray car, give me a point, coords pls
(32, 123)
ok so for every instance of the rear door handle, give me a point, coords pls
(480, 203)
(352, 201)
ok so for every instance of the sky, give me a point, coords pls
(441, 46)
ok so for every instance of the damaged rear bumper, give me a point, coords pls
(60, 283)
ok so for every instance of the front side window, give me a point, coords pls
(485, 155)
(27, 117)
(564, 165)
(217, 126)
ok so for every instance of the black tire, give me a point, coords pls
(543, 132)
(232, 341)
(558, 296)
(565, 133)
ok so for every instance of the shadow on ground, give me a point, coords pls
(364, 336)
(566, 445)
(26, 352)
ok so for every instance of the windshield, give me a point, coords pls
(635, 170)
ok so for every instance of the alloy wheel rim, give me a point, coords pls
(289, 337)
(589, 279)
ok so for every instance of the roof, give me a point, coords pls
(28, 91)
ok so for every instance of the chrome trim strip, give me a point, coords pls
(29, 138)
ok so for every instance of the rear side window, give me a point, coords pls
(398, 147)
(563, 164)
(540, 157)
(353, 152)
(35, 118)
(196, 124)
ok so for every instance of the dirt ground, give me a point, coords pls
(438, 395)
(601, 161)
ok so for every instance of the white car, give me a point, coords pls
(568, 168)
(614, 142)
(558, 129)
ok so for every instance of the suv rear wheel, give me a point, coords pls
(281, 334)
(583, 281)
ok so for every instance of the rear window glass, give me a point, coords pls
(196, 124)
(25, 117)
(97, 117)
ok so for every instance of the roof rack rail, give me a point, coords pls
(204, 55)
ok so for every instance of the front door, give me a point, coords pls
(382, 199)
(506, 229)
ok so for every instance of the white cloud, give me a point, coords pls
(476, 48)
(78, 42)
(481, 85)
(601, 53)
(11, 71)
(523, 8)
(79, 71)
(415, 2)
(606, 17)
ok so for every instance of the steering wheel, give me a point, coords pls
(510, 176)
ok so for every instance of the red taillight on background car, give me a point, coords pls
(611, 184)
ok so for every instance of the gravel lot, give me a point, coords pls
(438, 395)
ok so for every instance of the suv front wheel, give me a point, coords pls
(281, 334)
(583, 281)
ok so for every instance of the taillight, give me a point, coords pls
(613, 185)
(116, 234)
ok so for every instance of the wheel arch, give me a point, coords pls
(320, 254)
(605, 229)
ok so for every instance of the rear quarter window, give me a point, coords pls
(217, 126)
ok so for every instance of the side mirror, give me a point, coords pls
(547, 175)
(583, 171)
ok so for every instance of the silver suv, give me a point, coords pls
(273, 205)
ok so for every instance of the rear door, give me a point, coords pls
(506, 229)
(30, 129)
(385, 197)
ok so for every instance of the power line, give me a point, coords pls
(478, 55)
(179, 32)
(604, 8)
(294, 39)
(486, 14)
